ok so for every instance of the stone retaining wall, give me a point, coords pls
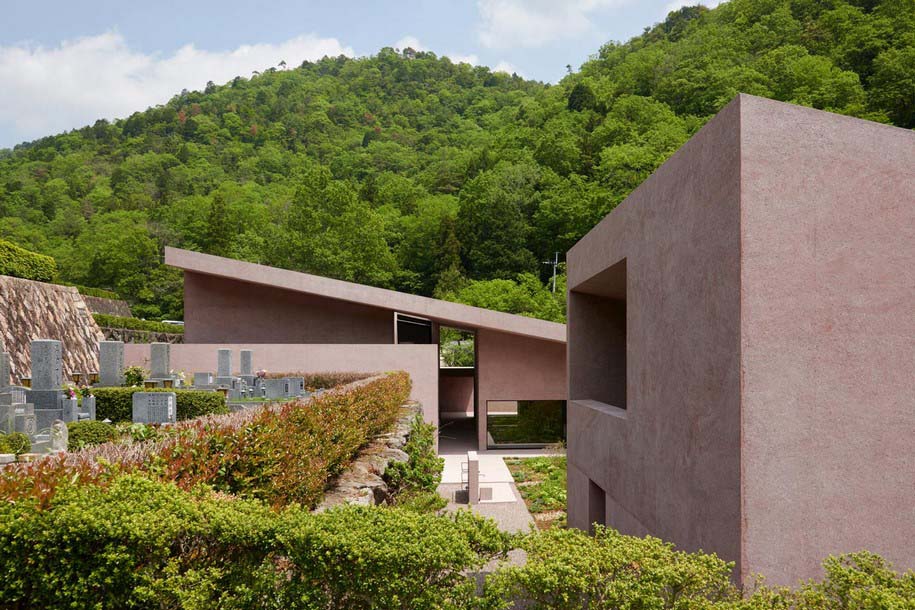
(129, 335)
(362, 483)
(111, 307)
(38, 310)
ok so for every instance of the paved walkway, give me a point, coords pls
(506, 507)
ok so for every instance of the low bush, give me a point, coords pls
(15, 442)
(109, 321)
(19, 262)
(282, 453)
(87, 433)
(116, 403)
(570, 570)
(317, 381)
(423, 471)
(367, 558)
(134, 376)
(91, 291)
(146, 544)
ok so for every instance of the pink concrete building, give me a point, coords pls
(742, 346)
(296, 321)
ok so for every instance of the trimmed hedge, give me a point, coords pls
(146, 544)
(88, 433)
(19, 262)
(107, 321)
(101, 293)
(116, 403)
(322, 380)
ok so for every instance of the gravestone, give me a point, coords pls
(47, 364)
(47, 379)
(87, 409)
(203, 379)
(274, 388)
(154, 408)
(245, 357)
(224, 363)
(59, 436)
(296, 386)
(4, 369)
(111, 363)
(70, 410)
(160, 360)
(25, 420)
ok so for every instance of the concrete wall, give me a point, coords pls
(455, 391)
(420, 361)
(659, 434)
(769, 361)
(512, 367)
(828, 339)
(219, 310)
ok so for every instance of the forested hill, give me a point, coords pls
(407, 171)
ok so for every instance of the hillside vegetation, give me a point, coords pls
(407, 171)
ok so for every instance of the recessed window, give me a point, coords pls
(597, 336)
(525, 423)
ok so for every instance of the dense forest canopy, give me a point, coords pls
(408, 171)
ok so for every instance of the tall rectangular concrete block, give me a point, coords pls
(245, 357)
(159, 360)
(224, 363)
(111, 363)
(47, 364)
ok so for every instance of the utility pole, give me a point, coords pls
(555, 264)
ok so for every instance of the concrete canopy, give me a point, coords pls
(445, 312)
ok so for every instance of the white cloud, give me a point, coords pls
(678, 4)
(457, 58)
(533, 23)
(504, 66)
(48, 90)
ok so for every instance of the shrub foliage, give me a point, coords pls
(88, 433)
(109, 321)
(19, 262)
(116, 403)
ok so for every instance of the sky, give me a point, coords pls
(65, 64)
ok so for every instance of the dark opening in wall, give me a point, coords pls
(597, 334)
(597, 506)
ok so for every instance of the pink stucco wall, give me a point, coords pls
(455, 391)
(219, 310)
(668, 459)
(420, 361)
(511, 367)
(828, 339)
(769, 363)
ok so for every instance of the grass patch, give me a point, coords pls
(542, 483)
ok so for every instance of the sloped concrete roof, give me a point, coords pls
(453, 314)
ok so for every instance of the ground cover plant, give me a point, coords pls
(317, 381)
(19, 262)
(542, 483)
(413, 484)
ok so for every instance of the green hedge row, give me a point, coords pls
(140, 543)
(108, 321)
(19, 262)
(90, 291)
(116, 403)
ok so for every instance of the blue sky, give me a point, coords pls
(65, 64)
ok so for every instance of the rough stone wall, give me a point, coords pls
(128, 335)
(111, 307)
(36, 310)
(362, 482)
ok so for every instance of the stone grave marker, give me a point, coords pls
(160, 360)
(4, 369)
(111, 363)
(154, 408)
(59, 436)
(47, 379)
(245, 357)
(224, 363)
(203, 379)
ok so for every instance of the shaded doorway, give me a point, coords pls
(457, 388)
